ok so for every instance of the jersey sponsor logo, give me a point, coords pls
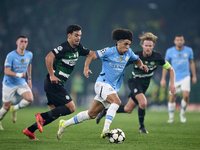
(117, 66)
(152, 63)
(70, 62)
(180, 61)
(27, 60)
(19, 67)
(59, 48)
(22, 61)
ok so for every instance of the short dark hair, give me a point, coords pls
(179, 35)
(72, 28)
(21, 36)
(119, 34)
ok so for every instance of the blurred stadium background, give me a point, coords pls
(44, 22)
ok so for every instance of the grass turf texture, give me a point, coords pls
(86, 135)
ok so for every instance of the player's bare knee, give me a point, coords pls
(30, 99)
(72, 109)
(143, 105)
(118, 102)
(186, 99)
(6, 106)
(92, 115)
(129, 111)
(172, 98)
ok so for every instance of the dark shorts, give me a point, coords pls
(136, 88)
(56, 93)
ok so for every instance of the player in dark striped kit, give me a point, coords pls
(60, 63)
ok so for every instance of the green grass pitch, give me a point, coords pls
(86, 135)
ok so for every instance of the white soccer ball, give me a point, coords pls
(117, 136)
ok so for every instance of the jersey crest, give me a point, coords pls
(22, 61)
(120, 59)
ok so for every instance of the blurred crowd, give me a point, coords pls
(44, 23)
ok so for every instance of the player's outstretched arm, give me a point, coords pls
(90, 57)
(141, 65)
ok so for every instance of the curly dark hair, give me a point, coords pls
(119, 34)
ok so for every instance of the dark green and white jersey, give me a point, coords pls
(153, 61)
(65, 59)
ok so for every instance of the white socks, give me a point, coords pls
(2, 113)
(183, 107)
(80, 117)
(23, 103)
(171, 109)
(110, 115)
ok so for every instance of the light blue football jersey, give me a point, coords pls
(113, 65)
(180, 61)
(18, 64)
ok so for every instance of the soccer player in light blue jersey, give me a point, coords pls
(107, 85)
(17, 65)
(182, 60)
(139, 80)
